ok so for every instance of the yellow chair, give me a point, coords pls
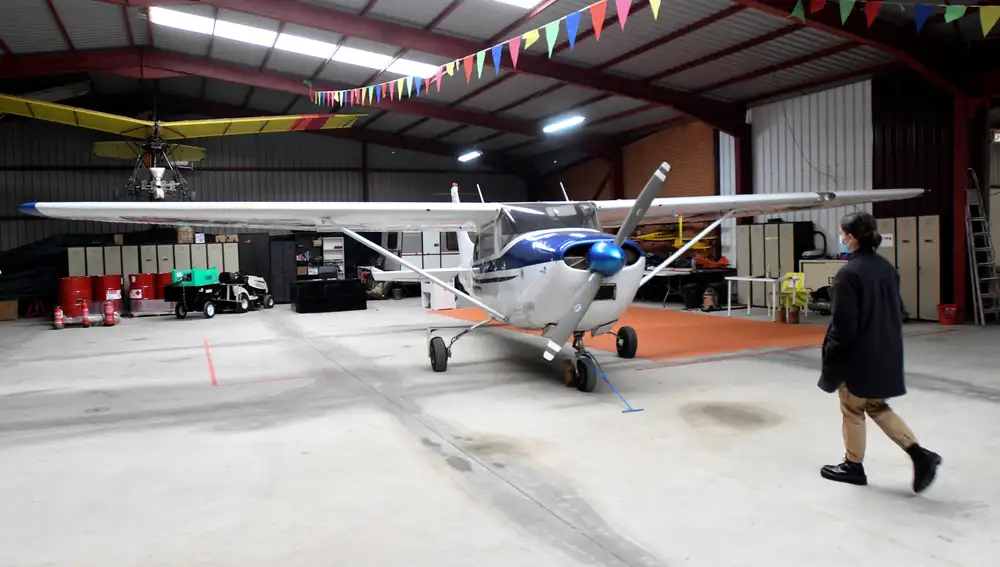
(793, 291)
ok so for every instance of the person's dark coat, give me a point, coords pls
(863, 347)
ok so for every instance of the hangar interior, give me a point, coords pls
(151, 430)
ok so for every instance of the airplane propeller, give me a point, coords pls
(605, 260)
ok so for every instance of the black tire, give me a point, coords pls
(627, 342)
(268, 302)
(243, 305)
(586, 374)
(438, 354)
(208, 310)
(180, 311)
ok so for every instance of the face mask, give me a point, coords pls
(844, 248)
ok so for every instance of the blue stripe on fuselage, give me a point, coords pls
(541, 247)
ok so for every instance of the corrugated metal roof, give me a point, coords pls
(272, 101)
(480, 19)
(173, 39)
(557, 10)
(382, 157)
(182, 86)
(305, 106)
(296, 63)
(92, 25)
(553, 161)
(27, 26)
(791, 46)
(341, 5)
(113, 84)
(390, 121)
(468, 135)
(553, 103)
(516, 87)
(855, 59)
(431, 128)
(636, 120)
(228, 93)
(609, 107)
(238, 52)
(640, 29)
(505, 141)
(137, 21)
(346, 74)
(724, 33)
(415, 13)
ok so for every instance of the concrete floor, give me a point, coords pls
(275, 438)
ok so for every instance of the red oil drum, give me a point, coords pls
(107, 288)
(141, 286)
(162, 280)
(74, 293)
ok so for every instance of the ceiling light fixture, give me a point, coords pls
(469, 156)
(246, 34)
(563, 124)
(181, 20)
(406, 67)
(305, 46)
(526, 4)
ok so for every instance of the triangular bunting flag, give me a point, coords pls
(530, 38)
(623, 7)
(496, 51)
(655, 5)
(371, 94)
(920, 14)
(799, 13)
(364, 96)
(598, 12)
(385, 87)
(467, 64)
(515, 48)
(440, 75)
(399, 87)
(419, 82)
(989, 15)
(572, 25)
(952, 13)
(480, 59)
(378, 92)
(816, 5)
(427, 84)
(846, 6)
(451, 68)
(409, 86)
(551, 33)
(871, 10)
(392, 90)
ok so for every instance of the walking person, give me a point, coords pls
(863, 354)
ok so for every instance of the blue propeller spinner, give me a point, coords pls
(606, 258)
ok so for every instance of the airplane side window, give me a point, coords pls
(449, 241)
(393, 241)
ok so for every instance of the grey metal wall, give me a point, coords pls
(727, 186)
(41, 161)
(817, 142)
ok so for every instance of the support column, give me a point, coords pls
(960, 163)
(366, 194)
(744, 167)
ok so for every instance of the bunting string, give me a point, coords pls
(473, 64)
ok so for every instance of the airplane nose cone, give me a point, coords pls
(606, 258)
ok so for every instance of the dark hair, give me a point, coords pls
(863, 227)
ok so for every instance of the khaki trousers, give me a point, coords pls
(854, 410)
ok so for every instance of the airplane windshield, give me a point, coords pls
(548, 216)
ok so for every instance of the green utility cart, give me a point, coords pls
(207, 290)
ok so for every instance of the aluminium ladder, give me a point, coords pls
(982, 258)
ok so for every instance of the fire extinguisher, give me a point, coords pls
(86, 315)
(109, 313)
(57, 318)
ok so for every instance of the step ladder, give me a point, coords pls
(982, 257)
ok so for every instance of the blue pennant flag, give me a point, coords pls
(497, 53)
(418, 81)
(572, 25)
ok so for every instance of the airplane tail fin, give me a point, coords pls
(465, 246)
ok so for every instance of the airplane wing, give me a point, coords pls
(411, 276)
(72, 116)
(312, 216)
(613, 213)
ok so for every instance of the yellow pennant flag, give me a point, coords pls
(451, 68)
(989, 16)
(399, 86)
(530, 38)
(655, 5)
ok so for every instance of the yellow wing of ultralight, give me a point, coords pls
(134, 128)
(132, 150)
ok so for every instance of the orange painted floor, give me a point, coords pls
(666, 335)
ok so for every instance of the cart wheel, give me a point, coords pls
(209, 309)
(268, 302)
(244, 304)
(180, 311)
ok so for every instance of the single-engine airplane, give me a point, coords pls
(538, 266)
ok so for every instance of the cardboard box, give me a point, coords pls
(302, 270)
(119, 239)
(185, 235)
(220, 237)
(8, 310)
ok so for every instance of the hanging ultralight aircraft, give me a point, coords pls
(538, 266)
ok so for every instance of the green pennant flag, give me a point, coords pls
(989, 16)
(480, 58)
(409, 86)
(952, 13)
(371, 94)
(846, 7)
(551, 33)
(799, 13)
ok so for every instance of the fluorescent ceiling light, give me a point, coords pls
(305, 46)
(470, 156)
(181, 20)
(407, 67)
(520, 3)
(563, 124)
(246, 34)
(361, 58)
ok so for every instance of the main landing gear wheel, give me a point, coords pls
(586, 374)
(438, 354)
(208, 310)
(627, 342)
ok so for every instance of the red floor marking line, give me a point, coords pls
(211, 367)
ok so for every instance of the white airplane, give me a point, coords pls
(538, 266)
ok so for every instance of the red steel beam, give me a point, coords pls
(901, 43)
(776, 67)
(128, 26)
(59, 24)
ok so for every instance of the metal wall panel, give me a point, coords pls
(818, 142)
(390, 186)
(726, 176)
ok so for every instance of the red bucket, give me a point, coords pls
(948, 314)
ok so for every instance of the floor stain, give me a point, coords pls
(428, 443)
(738, 416)
(458, 463)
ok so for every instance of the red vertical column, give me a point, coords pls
(744, 166)
(960, 163)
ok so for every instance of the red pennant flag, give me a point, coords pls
(392, 90)
(440, 75)
(871, 10)
(467, 63)
(597, 14)
(383, 90)
(817, 5)
(515, 47)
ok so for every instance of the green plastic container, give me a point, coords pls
(195, 277)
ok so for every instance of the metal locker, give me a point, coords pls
(214, 253)
(758, 291)
(182, 256)
(95, 261)
(112, 260)
(130, 264)
(887, 228)
(786, 249)
(928, 267)
(77, 259)
(231, 256)
(199, 256)
(411, 248)
(906, 262)
(743, 261)
(164, 258)
(995, 219)
(771, 250)
(147, 259)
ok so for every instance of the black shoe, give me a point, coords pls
(847, 471)
(925, 464)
